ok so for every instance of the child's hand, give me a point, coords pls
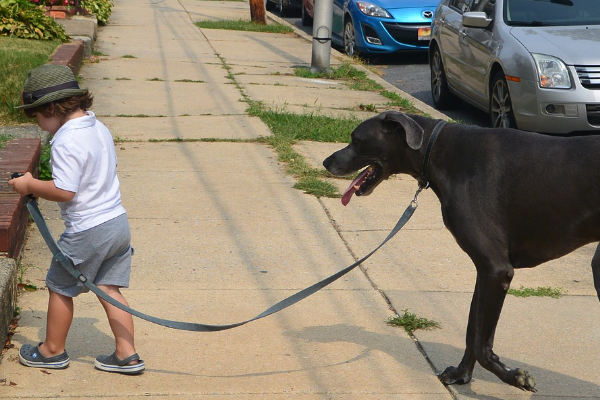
(21, 184)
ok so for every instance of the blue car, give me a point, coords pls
(382, 26)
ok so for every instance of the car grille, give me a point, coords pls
(405, 33)
(589, 76)
(593, 114)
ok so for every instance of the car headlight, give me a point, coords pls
(552, 72)
(372, 10)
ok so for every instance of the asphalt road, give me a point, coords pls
(410, 73)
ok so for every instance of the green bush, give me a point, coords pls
(100, 8)
(26, 20)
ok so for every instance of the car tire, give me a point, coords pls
(269, 6)
(307, 20)
(443, 99)
(501, 110)
(350, 39)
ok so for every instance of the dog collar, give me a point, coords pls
(423, 181)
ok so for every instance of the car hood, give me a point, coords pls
(569, 43)
(394, 4)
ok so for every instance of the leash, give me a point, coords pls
(58, 254)
(198, 327)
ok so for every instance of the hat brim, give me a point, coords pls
(54, 96)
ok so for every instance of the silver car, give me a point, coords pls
(530, 64)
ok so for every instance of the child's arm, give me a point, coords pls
(27, 184)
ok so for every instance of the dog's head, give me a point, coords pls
(378, 144)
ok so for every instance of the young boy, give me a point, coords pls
(97, 235)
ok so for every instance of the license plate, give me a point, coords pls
(424, 33)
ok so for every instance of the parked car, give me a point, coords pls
(286, 8)
(530, 64)
(378, 26)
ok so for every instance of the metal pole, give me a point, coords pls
(321, 47)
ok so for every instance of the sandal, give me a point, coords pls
(32, 357)
(113, 364)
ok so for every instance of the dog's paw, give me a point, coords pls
(452, 375)
(523, 380)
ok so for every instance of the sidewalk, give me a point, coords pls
(220, 235)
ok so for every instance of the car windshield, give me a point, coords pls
(552, 12)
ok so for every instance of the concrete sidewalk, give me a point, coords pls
(220, 235)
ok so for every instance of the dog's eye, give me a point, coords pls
(355, 142)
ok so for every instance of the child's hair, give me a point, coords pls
(62, 107)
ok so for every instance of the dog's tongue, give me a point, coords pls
(360, 179)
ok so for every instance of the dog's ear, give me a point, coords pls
(414, 132)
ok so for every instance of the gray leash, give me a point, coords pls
(189, 326)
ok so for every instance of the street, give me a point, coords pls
(409, 72)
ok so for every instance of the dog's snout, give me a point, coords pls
(327, 163)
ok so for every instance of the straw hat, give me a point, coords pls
(48, 83)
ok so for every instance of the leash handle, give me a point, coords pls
(16, 175)
(60, 256)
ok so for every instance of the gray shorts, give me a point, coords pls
(102, 254)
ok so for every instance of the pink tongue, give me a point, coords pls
(360, 179)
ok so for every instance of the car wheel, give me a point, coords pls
(501, 110)
(350, 39)
(442, 97)
(307, 20)
(269, 6)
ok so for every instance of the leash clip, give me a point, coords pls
(421, 187)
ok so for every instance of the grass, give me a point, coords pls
(547, 291)
(241, 25)
(411, 322)
(17, 57)
(3, 140)
(288, 128)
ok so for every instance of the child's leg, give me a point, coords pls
(58, 322)
(121, 322)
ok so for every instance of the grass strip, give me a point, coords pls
(17, 57)
(546, 291)
(246, 26)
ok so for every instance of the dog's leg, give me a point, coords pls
(596, 270)
(490, 291)
(464, 372)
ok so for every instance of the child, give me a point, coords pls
(97, 235)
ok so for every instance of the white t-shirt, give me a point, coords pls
(84, 161)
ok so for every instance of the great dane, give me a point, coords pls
(511, 199)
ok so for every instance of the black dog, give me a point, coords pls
(512, 199)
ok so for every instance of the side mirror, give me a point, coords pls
(476, 19)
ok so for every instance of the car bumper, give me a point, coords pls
(553, 110)
(376, 37)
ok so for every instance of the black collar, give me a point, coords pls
(423, 181)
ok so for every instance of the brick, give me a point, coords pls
(18, 155)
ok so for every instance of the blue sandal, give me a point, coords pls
(32, 357)
(113, 364)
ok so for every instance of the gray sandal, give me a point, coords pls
(31, 356)
(113, 364)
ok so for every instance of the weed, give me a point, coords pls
(128, 56)
(155, 80)
(44, 169)
(547, 291)
(189, 80)
(25, 284)
(411, 322)
(4, 139)
(241, 25)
